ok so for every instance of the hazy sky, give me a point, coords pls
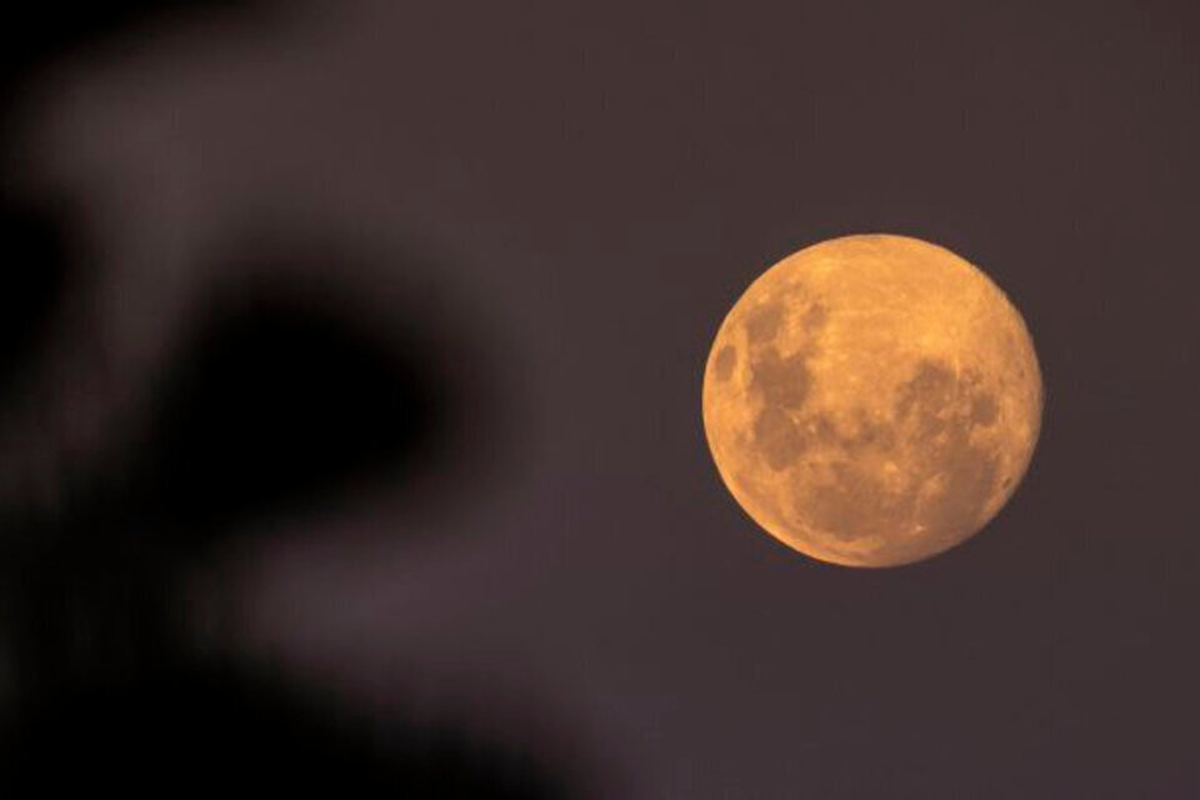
(551, 205)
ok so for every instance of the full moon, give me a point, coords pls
(872, 400)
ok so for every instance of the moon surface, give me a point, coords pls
(872, 400)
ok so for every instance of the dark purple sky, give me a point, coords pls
(594, 185)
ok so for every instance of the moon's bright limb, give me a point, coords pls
(872, 400)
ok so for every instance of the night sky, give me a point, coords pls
(521, 224)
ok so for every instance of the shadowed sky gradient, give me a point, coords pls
(565, 199)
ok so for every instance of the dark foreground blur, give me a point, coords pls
(271, 391)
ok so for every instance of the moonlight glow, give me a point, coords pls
(872, 400)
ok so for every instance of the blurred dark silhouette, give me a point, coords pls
(281, 398)
(39, 240)
(288, 395)
(36, 34)
(276, 402)
(211, 728)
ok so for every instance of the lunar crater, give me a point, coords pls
(781, 381)
(726, 361)
(778, 438)
(762, 323)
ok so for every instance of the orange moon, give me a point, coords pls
(872, 400)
